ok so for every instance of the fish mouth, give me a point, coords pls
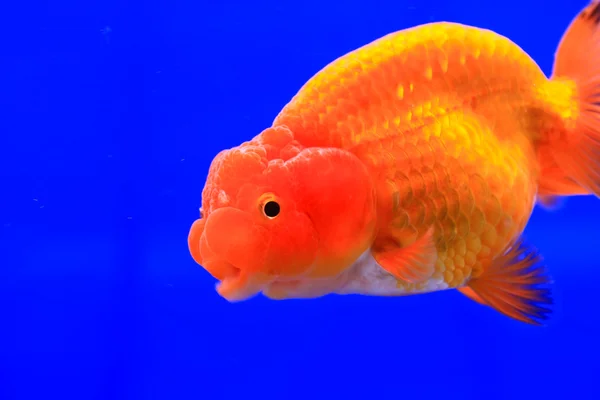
(239, 287)
(237, 284)
(234, 284)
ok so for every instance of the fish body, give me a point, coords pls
(446, 139)
(409, 165)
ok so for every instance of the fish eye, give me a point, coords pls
(271, 209)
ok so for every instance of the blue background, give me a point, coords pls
(110, 113)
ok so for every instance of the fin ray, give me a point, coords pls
(517, 285)
(467, 291)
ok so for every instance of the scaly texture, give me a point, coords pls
(440, 114)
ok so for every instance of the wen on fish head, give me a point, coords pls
(275, 215)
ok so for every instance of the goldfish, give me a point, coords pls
(408, 166)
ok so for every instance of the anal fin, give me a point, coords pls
(470, 293)
(516, 284)
(414, 263)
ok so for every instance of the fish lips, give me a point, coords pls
(227, 246)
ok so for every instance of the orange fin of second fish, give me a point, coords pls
(516, 284)
(414, 263)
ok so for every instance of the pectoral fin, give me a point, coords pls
(414, 263)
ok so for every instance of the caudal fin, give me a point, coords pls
(574, 167)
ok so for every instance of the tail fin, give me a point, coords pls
(574, 167)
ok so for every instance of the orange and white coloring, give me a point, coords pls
(410, 165)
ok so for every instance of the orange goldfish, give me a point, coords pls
(407, 166)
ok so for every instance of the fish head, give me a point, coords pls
(274, 212)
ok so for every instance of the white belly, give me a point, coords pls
(365, 276)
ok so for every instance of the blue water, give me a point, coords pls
(110, 113)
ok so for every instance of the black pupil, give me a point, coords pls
(272, 209)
